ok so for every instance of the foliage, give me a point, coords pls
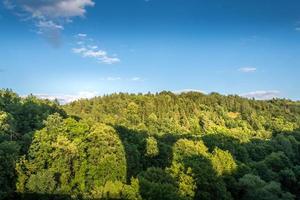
(19, 117)
(72, 158)
(152, 148)
(149, 146)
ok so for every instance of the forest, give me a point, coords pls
(149, 146)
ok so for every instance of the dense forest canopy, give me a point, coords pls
(149, 146)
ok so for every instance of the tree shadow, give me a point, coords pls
(155, 183)
(225, 142)
(135, 145)
(202, 168)
(148, 169)
(270, 159)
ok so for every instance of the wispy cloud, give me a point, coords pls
(247, 69)
(135, 79)
(262, 95)
(117, 78)
(297, 26)
(113, 78)
(87, 49)
(67, 98)
(82, 35)
(188, 90)
(49, 16)
(50, 31)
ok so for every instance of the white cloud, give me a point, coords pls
(116, 78)
(79, 50)
(50, 9)
(109, 60)
(94, 47)
(87, 50)
(82, 35)
(188, 90)
(262, 95)
(113, 78)
(48, 25)
(297, 28)
(67, 98)
(49, 16)
(135, 79)
(247, 69)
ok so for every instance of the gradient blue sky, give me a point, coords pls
(249, 47)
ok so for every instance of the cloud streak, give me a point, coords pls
(247, 69)
(87, 49)
(67, 98)
(135, 79)
(189, 90)
(113, 78)
(116, 78)
(262, 95)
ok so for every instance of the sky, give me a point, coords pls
(69, 49)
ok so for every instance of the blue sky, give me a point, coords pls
(81, 48)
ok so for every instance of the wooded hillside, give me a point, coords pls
(149, 146)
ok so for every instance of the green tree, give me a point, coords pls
(151, 147)
(69, 157)
(223, 162)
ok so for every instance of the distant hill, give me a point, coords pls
(191, 113)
